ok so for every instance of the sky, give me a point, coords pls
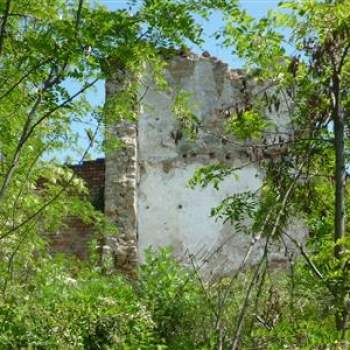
(256, 8)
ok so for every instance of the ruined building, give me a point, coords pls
(145, 183)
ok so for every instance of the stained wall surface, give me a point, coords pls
(167, 211)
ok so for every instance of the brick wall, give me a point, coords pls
(74, 237)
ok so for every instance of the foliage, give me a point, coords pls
(249, 124)
(67, 305)
(212, 174)
(47, 49)
(46, 304)
(176, 301)
(297, 60)
(74, 308)
(183, 112)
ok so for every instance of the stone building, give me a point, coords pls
(145, 185)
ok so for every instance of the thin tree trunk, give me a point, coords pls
(339, 205)
(340, 174)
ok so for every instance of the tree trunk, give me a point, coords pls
(339, 218)
(340, 174)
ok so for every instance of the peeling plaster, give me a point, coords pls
(164, 210)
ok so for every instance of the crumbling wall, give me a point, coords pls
(120, 185)
(169, 212)
(147, 191)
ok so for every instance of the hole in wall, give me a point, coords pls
(184, 155)
(228, 156)
(211, 155)
(179, 206)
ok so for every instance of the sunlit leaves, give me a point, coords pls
(212, 174)
(50, 58)
(183, 111)
(236, 208)
(247, 125)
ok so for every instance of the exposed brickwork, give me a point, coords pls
(93, 173)
(73, 238)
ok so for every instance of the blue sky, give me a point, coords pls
(256, 8)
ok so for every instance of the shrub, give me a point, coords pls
(177, 301)
(63, 305)
(87, 311)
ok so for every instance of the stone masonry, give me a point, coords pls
(120, 192)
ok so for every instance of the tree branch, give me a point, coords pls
(78, 18)
(26, 75)
(313, 267)
(29, 128)
(3, 25)
(56, 196)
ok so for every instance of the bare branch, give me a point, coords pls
(24, 137)
(245, 305)
(61, 105)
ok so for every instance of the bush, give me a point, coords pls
(89, 311)
(178, 303)
(284, 309)
(61, 305)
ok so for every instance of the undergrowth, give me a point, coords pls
(63, 306)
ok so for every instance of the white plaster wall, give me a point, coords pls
(169, 213)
